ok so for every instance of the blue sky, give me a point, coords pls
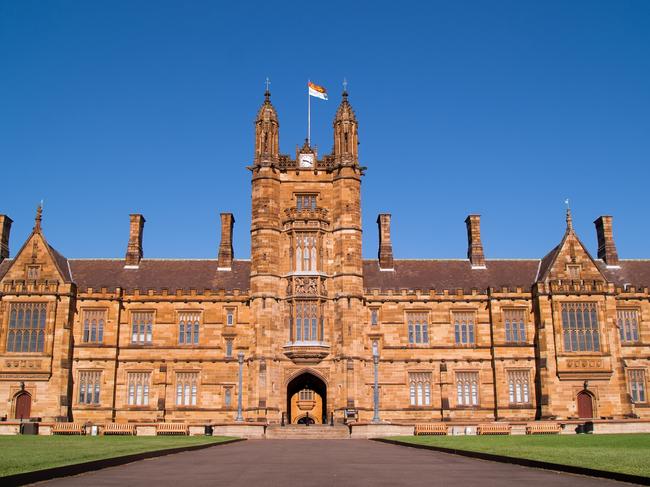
(499, 108)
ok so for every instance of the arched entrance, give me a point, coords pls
(307, 400)
(23, 405)
(585, 404)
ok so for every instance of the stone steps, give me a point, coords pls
(301, 432)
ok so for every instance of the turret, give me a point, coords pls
(346, 139)
(267, 132)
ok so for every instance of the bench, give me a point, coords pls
(172, 429)
(493, 429)
(68, 429)
(430, 429)
(543, 428)
(118, 429)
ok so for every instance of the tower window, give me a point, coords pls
(306, 321)
(305, 202)
(306, 252)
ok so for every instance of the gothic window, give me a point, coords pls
(306, 321)
(188, 328)
(89, 386)
(229, 348)
(93, 325)
(467, 388)
(142, 327)
(305, 202)
(515, 321)
(138, 388)
(230, 316)
(580, 327)
(374, 316)
(26, 332)
(628, 325)
(464, 328)
(420, 388)
(636, 379)
(227, 399)
(186, 387)
(518, 386)
(306, 252)
(418, 328)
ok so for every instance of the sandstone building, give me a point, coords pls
(137, 339)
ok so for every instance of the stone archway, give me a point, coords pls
(23, 405)
(585, 404)
(307, 399)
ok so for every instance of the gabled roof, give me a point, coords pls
(450, 274)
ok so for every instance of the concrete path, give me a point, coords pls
(332, 463)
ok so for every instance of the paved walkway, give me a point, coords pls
(331, 463)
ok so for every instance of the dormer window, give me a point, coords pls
(305, 202)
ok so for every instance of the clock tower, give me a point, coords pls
(306, 269)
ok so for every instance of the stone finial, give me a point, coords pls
(385, 244)
(38, 218)
(474, 244)
(5, 229)
(134, 248)
(606, 246)
(226, 253)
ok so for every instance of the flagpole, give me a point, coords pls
(308, 115)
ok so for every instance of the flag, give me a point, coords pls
(317, 91)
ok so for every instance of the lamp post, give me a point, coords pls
(375, 361)
(240, 359)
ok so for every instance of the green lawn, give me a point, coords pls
(20, 454)
(628, 454)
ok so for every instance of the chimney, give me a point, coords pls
(134, 248)
(385, 245)
(226, 253)
(474, 245)
(606, 245)
(5, 229)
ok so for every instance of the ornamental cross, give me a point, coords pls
(345, 84)
(268, 83)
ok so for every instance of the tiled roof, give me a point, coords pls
(634, 272)
(450, 274)
(160, 274)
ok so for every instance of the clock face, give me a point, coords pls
(306, 160)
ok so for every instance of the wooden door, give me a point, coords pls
(585, 405)
(23, 406)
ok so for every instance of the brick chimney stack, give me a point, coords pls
(5, 229)
(474, 245)
(385, 245)
(226, 253)
(134, 248)
(606, 246)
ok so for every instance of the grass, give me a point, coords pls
(20, 454)
(628, 454)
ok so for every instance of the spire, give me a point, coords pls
(345, 131)
(267, 128)
(38, 218)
